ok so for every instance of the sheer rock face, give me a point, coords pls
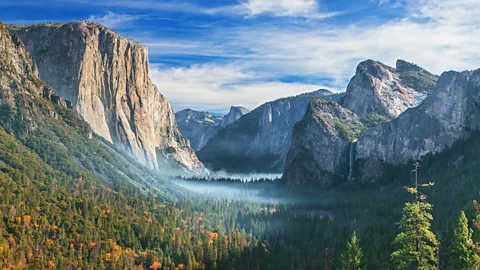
(20, 83)
(106, 76)
(233, 115)
(448, 114)
(320, 150)
(200, 127)
(378, 89)
(19, 73)
(259, 141)
(320, 146)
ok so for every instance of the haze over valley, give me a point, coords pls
(252, 134)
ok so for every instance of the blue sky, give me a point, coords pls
(211, 54)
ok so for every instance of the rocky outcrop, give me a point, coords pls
(324, 148)
(448, 114)
(319, 151)
(259, 141)
(19, 78)
(24, 97)
(199, 127)
(106, 77)
(233, 115)
(416, 77)
(379, 89)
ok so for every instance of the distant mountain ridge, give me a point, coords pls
(259, 140)
(200, 127)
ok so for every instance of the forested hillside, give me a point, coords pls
(71, 200)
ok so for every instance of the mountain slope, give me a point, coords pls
(69, 199)
(324, 146)
(320, 144)
(450, 113)
(199, 127)
(259, 140)
(106, 77)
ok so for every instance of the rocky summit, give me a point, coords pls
(448, 114)
(259, 141)
(379, 89)
(106, 77)
(199, 127)
(381, 109)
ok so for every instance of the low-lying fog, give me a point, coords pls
(257, 188)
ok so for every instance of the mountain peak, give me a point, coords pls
(379, 89)
(374, 68)
(238, 109)
(404, 66)
(233, 115)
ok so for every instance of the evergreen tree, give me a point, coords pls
(417, 244)
(351, 258)
(462, 251)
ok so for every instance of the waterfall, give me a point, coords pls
(353, 146)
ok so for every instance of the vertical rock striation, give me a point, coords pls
(106, 77)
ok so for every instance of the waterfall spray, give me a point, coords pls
(353, 146)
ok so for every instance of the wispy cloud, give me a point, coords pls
(114, 20)
(288, 8)
(257, 48)
(216, 87)
(439, 35)
(246, 8)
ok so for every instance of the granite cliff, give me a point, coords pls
(379, 89)
(320, 144)
(324, 144)
(200, 127)
(106, 77)
(450, 113)
(259, 141)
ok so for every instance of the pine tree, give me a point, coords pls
(462, 251)
(417, 244)
(351, 258)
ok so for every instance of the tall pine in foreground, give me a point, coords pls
(351, 258)
(417, 244)
(463, 251)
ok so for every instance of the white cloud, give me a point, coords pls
(289, 8)
(113, 20)
(439, 35)
(217, 87)
(247, 8)
(381, 2)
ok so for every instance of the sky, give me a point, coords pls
(211, 54)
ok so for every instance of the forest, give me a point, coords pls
(72, 200)
(57, 215)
